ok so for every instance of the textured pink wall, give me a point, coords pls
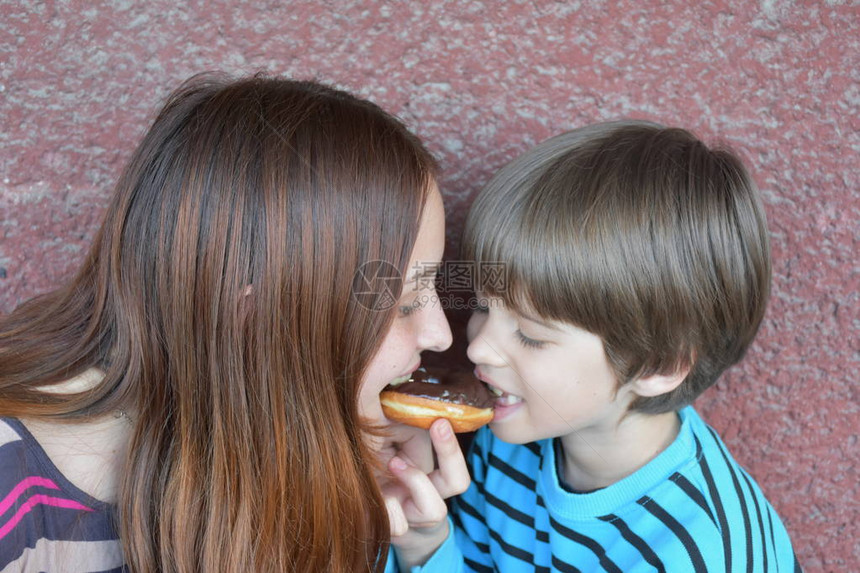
(482, 81)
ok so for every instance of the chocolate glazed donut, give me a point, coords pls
(457, 396)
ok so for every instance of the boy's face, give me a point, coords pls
(554, 378)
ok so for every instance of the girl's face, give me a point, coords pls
(420, 323)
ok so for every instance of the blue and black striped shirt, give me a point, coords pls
(691, 509)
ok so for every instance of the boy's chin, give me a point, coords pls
(512, 433)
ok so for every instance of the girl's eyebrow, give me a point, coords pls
(426, 270)
(423, 271)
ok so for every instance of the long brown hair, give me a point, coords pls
(640, 234)
(217, 300)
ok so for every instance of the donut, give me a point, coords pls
(456, 396)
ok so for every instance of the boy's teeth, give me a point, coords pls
(502, 397)
(508, 400)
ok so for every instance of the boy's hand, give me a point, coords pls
(415, 492)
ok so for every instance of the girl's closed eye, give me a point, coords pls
(412, 307)
(426, 288)
(417, 304)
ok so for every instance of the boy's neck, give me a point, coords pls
(597, 458)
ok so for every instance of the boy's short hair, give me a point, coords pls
(640, 234)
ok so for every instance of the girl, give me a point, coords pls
(203, 394)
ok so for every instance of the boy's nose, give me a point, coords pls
(481, 350)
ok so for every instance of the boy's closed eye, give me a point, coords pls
(529, 342)
(482, 306)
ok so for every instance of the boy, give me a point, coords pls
(637, 271)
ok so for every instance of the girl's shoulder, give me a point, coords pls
(81, 458)
(46, 521)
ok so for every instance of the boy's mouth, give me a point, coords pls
(503, 398)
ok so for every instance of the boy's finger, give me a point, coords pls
(424, 506)
(452, 476)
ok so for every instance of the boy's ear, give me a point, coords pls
(658, 384)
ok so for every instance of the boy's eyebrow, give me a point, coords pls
(539, 322)
(529, 317)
